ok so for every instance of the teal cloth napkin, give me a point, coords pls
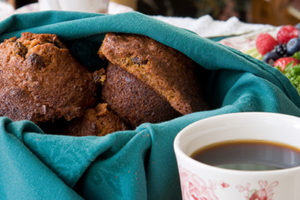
(137, 164)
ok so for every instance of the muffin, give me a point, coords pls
(41, 81)
(133, 100)
(98, 121)
(164, 70)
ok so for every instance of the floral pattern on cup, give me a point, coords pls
(264, 192)
(196, 188)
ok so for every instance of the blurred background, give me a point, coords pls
(275, 12)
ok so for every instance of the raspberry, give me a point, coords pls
(265, 43)
(286, 33)
(283, 62)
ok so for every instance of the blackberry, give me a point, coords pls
(281, 50)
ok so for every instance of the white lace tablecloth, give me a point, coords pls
(242, 35)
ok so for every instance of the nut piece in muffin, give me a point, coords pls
(98, 121)
(168, 72)
(41, 81)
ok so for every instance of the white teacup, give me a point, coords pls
(202, 181)
(99, 6)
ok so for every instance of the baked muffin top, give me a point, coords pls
(41, 81)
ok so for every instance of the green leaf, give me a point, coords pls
(293, 74)
(296, 55)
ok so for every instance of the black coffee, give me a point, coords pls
(249, 155)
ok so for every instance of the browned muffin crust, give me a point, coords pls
(169, 72)
(41, 81)
(134, 100)
(98, 121)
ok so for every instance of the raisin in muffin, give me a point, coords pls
(165, 71)
(41, 81)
